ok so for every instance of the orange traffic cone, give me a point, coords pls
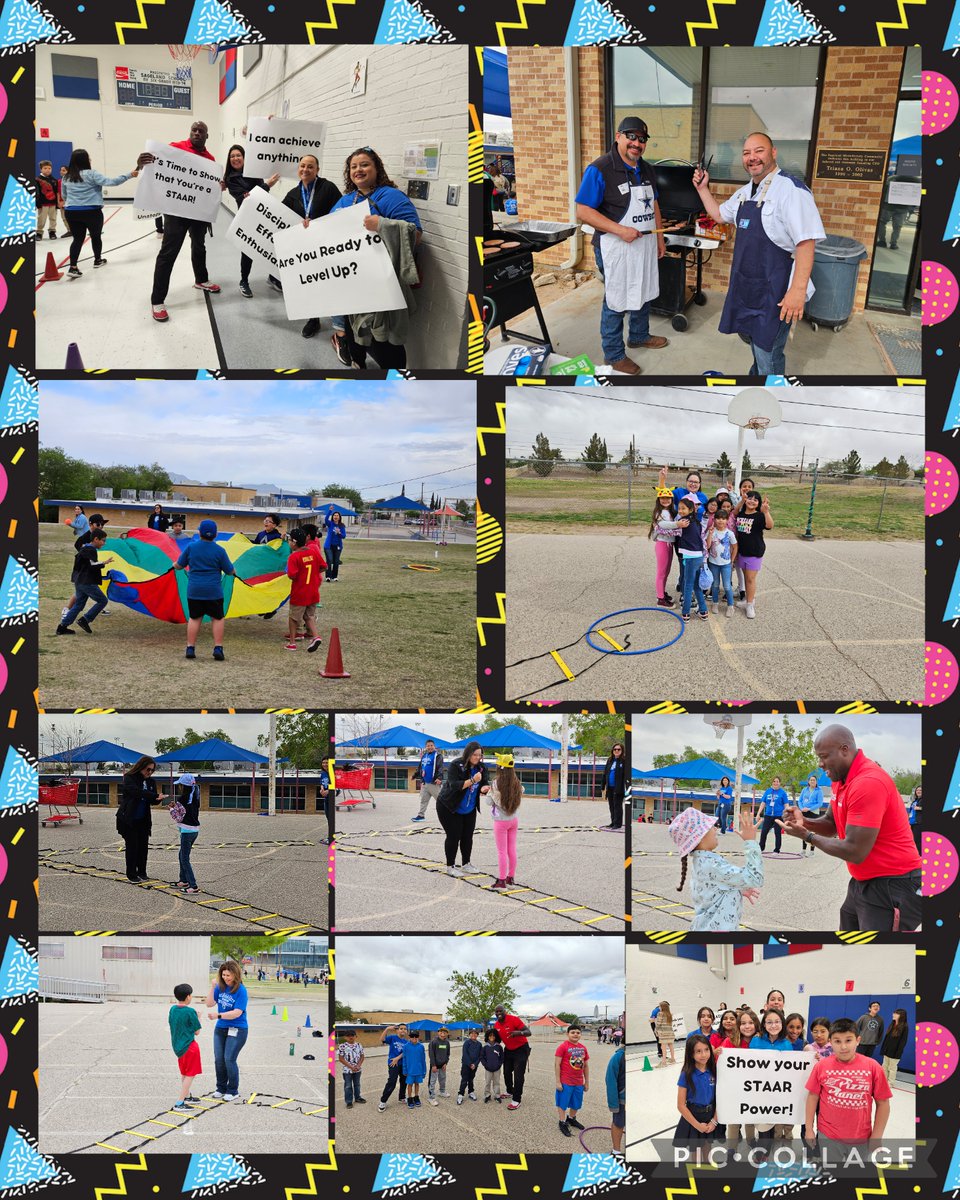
(50, 272)
(334, 666)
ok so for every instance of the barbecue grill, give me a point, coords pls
(680, 202)
(508, 270)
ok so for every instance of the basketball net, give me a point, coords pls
(720, 727)
(758, 425)
(183, 53)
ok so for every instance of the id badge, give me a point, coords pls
(232, 1032)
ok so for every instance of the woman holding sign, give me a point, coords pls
(312, 197)
(240, 186)
(393, 217)
(83, 207)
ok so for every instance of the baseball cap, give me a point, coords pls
(207, 528)
(629, 124)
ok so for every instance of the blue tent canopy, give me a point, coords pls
(496, 83)
(396, 735)
(464, 1025)
(95, 752)
(699, 768)
(212, 750)
(323, 509)
(823, 780)
(907, 145)
(402, 504)
(425, 1025)
(515, 737)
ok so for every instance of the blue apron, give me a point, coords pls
(759, 279)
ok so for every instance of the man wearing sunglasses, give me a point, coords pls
(618, 197)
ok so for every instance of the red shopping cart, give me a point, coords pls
(354, 781)
(62, 799)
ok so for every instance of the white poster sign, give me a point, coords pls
(904, 193)
(763, 1086)
(679, 1027)
(276, 145)
(421, 160)
(258, 219)
(179, 184)
(336, 266)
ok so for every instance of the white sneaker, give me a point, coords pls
(470, 869)
(729, 610)
(454, 871)
(751, 612)
(63, 614)
(444, 1095)
(473, 1095)
(459, 1099)
(434, 1102)
(218, 1095)
(381, 1106)
(230, 1096)
(715, 609)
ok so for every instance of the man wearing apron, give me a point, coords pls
(777, 228)
(618, 197)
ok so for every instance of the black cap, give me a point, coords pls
(97, 519)
(629, 124)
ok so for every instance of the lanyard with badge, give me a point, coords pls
(307, 197)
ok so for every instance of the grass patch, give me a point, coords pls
(407, 636)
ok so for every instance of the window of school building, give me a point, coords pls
(291, 797)
(128, 953)
(93, 791)
(230, 795)
(397, 779)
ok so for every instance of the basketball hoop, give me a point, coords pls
(721, 725)
(758, 425)
(183, 53)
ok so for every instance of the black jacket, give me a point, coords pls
(238, 185)
(618, 791)
(158, 521)
(895, 1043)
(325, 196)
(615, 174)
(451, 793)
(134, 789)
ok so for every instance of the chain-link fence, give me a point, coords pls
(546, 496)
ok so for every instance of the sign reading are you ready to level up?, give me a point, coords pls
(274, 145)
(256, 222)
(763, 1086)
(336, 266)
(179, 184)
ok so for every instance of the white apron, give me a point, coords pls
(630, 269)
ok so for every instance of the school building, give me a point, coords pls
(539, 777)
(845, 119)
(125, 967)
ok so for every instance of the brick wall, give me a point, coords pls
(857, 112)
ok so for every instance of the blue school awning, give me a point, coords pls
(699, 768)
(211, 750)
(396, 736)
(496, 83)
(93, 752)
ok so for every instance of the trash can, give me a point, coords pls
(836, 264)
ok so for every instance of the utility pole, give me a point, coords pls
(564, 756)
(272, 768)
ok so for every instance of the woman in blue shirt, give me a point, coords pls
(457, 805)
(724, 802)
(333, 544)
(229, 997)
(366, 178)
(810, 803)
(614, 786)
(83, 206)
(772, 803)
(80, 525)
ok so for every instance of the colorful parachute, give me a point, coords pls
(143, 576)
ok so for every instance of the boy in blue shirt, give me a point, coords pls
(469, 1065)
(616, 1085)
(414, 1067)
(772, 803)
(207, 563)
(395, 1038)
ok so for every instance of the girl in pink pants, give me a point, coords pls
(504, 798)
(664, 528)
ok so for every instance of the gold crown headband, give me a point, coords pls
(504, 760)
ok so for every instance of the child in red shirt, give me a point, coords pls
(848, 1086)
(305, 567)
(572, 1079)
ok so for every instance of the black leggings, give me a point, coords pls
(385, 354)
(459, 829)
(246, 262)
(82, 222)
(136, 837)
(615, 803)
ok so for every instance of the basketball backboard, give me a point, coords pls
(754, 402)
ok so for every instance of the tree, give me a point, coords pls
(570, 1018)
(905, 779)
(543, 456)
(852, 465)
(347, 493)
(884, 468)
(342, 1012)
(473, 996)
(902, 470)
(56, 742)
(783, 751)
(723, 463)
(303, 738)
(62, 478)
(747, 465)
(595, 453)
(490, 722)
(239, 946)
(463, 508)
(596, 733)
(150, 477)
(191, 737)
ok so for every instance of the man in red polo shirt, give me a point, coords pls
(513, 1032)
(175, 229)
(867, 826)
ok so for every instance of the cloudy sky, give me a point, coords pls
(568, 973)
(370, 435)
(140, 733)
(892, 740)
(684, 423)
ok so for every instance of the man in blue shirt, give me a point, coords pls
(207, 563)
(618, 198)
(773, 801)
(429, 773)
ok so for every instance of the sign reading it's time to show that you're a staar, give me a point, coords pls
(336, 266)
(179, 184)
(761, 1087)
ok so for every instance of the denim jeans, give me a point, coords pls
(225, 1051)
(769, 362)
(690, 578)
(721, 576)
(723, 811)
(186, 870)
(611, 323)
(351, 1086)
(85, 592)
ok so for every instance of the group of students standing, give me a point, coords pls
(712, 536)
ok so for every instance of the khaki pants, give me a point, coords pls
(492, 1087)
(45, 214)
(733, 1133)
(429, 791)
(890, 1066)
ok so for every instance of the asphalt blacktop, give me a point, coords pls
(391, 871)
(799, 891)
(109, 1078)
(834, 619)
(253, 872)
(476, 1127)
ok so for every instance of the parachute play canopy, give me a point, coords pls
(143, 577)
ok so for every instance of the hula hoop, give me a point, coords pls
(782, 854)
(592, 1129)
(619, 613)
(418, 567)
